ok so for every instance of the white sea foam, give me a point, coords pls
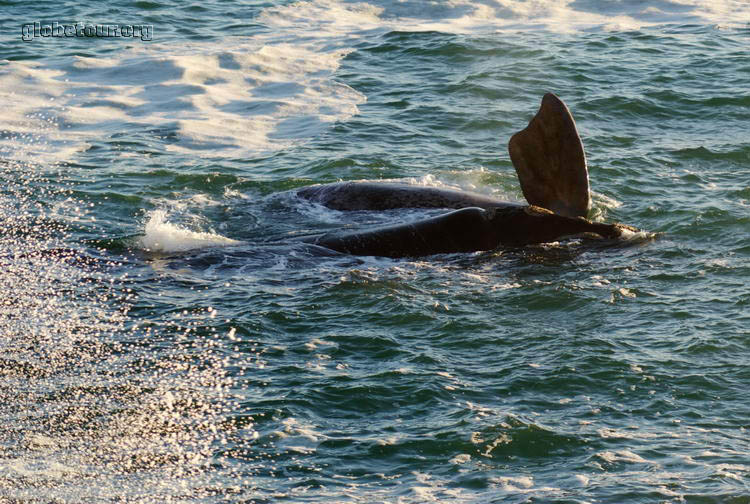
(461, 458)
(33, 101)
(260, 94)
(341, 18)
(636, 237)
(514, 483)
(163, 236)
(199, 99)
(622, 456)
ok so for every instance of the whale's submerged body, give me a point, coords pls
(551, 165)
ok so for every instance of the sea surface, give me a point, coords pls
(167, 337)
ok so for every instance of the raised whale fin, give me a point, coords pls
(549, 160)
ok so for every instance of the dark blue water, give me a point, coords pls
(166, 337)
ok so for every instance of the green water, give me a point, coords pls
(145, 362)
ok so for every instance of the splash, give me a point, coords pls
(163, 236)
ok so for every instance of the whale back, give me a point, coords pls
(386, 196)
(549, 160)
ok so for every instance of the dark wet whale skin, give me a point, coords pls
(387, 196)
(466, 230)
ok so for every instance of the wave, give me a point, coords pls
(276, 88)
(337, 17)
(198, 99)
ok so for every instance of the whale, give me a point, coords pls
(550, 163)
(470, 229)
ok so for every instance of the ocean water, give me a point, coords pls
(166, 337)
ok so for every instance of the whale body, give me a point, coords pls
(550, 163)
(466, 230)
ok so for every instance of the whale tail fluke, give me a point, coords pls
(549, 160)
